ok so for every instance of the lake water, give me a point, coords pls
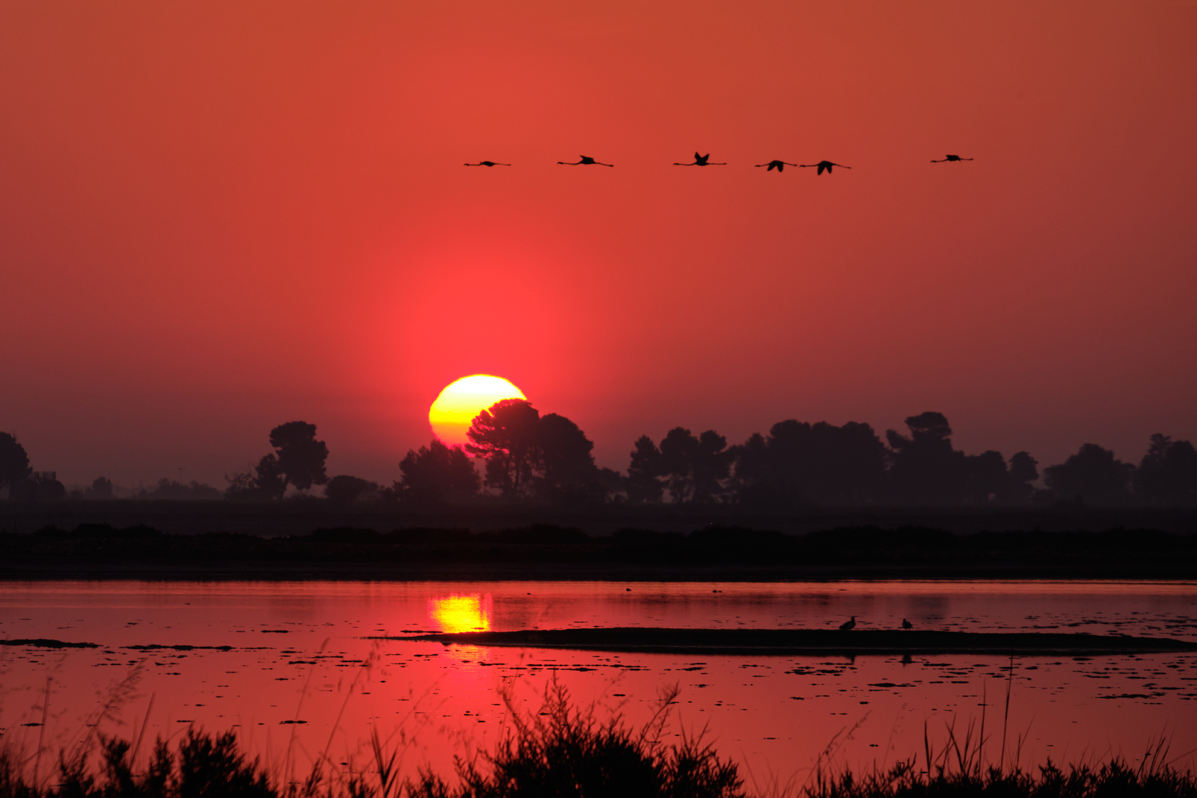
(289, 665)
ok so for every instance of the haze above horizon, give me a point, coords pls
(217, 219)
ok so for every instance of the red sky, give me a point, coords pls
(216, 217)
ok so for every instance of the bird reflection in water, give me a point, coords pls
(461, 613)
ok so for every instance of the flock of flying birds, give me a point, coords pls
(705, 160)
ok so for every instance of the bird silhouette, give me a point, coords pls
(700, 160)
(848, 626)
(907, 624)
(586, 161)
(952, 158)
(488, 163)
(824, 166)
(780, 166)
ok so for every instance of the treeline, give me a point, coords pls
(529, 458)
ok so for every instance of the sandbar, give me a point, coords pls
(806, 642)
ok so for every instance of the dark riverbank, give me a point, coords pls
(303, 516)
(710, 553)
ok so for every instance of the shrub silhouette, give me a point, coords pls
(344, 490)
(564, 751)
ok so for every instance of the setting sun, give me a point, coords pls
(458, 404)
(461, 613)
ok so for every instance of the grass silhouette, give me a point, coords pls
(560, 750)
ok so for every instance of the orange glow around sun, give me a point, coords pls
(454, 410)
(461, 613)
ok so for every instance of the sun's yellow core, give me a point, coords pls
(456, 407)
(469, 613)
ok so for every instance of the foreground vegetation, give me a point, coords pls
(562, 751)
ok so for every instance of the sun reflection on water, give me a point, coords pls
(461, 613)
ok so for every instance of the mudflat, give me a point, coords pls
(779, 642)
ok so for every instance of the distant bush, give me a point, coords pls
(344, 490)
(537, 535)
(171, 490)
(344, 534)
(101, 532)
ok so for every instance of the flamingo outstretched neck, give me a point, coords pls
(780, 166)
(823, 166)
(951, 158)
(488, 163)
(586, 161)
(700, 160)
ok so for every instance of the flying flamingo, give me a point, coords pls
(780, 166)
(824, 166)
(488, 163)
(701, 160)
(952, 158)
(586, 161)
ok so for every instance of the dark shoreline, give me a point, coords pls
(302, 516)
(541, 552)
(808, 642)
(567, 572)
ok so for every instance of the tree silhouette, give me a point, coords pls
(678, 450)
(1168, 472)
(754, 480)
(817, 463)
(437, 473)
(269, 481)
(695, 467)
(1023, 470)
(101, 488)
(644, 472)
(712, 465)
(506, 436)
(566, 467)
(300, 456)
(924, 467)
(1093, 476)
(986, 477)
(611, 486)
(14, 462)
(38, 487)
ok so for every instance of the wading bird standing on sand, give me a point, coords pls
(586, 161)
(488, 163)
(824, 166)
(780, 166)
(848, 626)
(700, 160)
(907, 624)
(952, 158)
